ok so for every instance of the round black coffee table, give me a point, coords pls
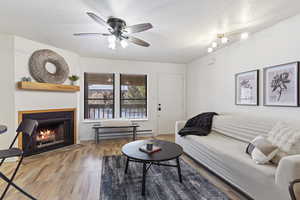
(169, 151)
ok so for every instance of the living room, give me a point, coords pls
(130, 100)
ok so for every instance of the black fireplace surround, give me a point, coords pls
(55, 130)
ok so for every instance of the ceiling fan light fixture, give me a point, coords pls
(244, 36)
(112, 39)
(112, 42)
(113, 47)
(124, 43)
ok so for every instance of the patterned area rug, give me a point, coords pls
(161, 182)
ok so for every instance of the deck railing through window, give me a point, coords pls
(132, 111)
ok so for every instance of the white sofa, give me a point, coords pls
(223, 152)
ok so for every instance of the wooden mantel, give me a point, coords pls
(47, 87)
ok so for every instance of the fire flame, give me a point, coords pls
(45, 134)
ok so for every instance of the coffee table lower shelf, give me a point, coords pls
(146, 167)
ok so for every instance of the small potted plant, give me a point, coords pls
(73, 79)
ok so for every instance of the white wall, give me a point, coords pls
(38, 100)
(212, 87)
(15, 54)
(7, 85)
(122, 66)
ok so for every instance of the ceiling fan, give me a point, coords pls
(118, 31)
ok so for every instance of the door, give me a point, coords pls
(170, 106)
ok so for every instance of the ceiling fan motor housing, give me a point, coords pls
(116, 23)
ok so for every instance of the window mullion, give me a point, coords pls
(117, 95)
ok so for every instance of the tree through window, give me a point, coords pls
(133, 96)
(98, 96)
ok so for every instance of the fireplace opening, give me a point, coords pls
(55, 130)
(51, 132)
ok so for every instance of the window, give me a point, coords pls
(98, 96)
(133, 96)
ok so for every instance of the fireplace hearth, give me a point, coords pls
(55, 130)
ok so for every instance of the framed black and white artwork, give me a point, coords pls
(281, 85)
(247, 88)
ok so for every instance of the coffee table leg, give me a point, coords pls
(144, 178)
(96, 133)
(127, 163)
(134, 133)
(179, 170)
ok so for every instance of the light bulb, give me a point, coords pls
(209, 50)
(244, 36)
(214, 44)
(112, 39)
(224, 40)
(112, 46)
(124, 43)
(112, 42)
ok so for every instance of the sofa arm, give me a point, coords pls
(179, 125)
(287, 171)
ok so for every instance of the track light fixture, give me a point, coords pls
(214, 45)
(223, 39)
(244, 36)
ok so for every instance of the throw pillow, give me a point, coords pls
(261, 150)
(286, 138)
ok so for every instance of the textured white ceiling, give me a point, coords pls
(182, 29)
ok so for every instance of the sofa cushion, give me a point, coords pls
(286, 138)
(232, 153)
(241, 127)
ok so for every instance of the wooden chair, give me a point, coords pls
(291, 189)
(27, 127)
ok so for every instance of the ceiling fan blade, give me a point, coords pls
(98, 19)
(138, 28)
(138, 41)
(91, 34)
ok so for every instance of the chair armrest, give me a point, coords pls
(179, 125)
(288, 171)
(292, 190)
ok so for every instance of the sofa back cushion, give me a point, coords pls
(286, 138)
(241, 127)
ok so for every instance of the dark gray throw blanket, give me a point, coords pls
(198, 125)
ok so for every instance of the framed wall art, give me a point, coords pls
(247, 88)
(281, 85)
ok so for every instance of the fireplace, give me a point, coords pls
(56, 129)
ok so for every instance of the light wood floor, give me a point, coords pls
(73, 173)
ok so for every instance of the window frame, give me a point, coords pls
(86, 99)
(145, 99)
